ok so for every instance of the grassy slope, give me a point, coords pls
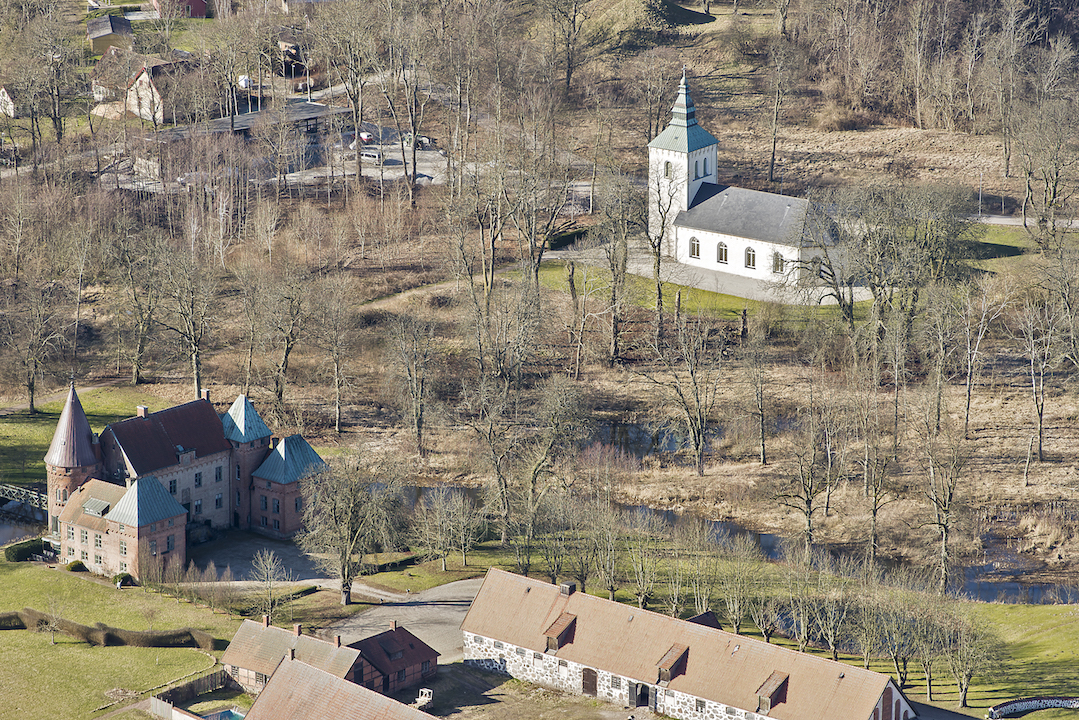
(25, 438)
(69, 679)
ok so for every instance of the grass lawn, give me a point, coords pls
(426, 575)
(25, 437)
(69, 679)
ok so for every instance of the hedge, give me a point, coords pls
(21, 551)
(101, 634)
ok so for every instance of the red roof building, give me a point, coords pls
(395, 659)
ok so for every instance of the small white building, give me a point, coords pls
(717, 227)
(582, 644)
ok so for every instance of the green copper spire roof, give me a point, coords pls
(242, 422)
(683, 134)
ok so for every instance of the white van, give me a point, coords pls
(371, 155)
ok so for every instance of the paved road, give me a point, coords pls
(433, 616)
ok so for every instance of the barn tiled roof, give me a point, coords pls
(87, 505)
(393, 650)
(242, 422)
(626, 641)
(73, 441)
(298, 691)
(683, 134)
(152, 443)
(145, 502)
(107, 25)
(289, 461)
(260, 649)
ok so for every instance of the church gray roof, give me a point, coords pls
(683, 134)
(145, 502)
(289, 461)
(743, 213)
(242, 422)
(73, 442)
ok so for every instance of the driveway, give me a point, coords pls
(433, 616)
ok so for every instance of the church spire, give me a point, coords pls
(683, 114)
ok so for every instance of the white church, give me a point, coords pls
(756, 235)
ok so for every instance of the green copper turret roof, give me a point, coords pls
(683, 134)
(242, 422)
(145, 502)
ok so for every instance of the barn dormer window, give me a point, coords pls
(721, 253)
(751, 258)
(694, 247)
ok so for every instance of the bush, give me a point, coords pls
(76, 566)
(123, 579)
(21, 551)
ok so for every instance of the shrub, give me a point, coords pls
(76, 566)
(21, 551)
(123, 578)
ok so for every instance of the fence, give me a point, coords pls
(1025, 705)
(198, 686)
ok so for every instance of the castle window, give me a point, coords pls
(83, 556)
(170, 542)
(198, 479)
(694, 247)
(217, 474)
(276, 524)
(237, 498)
(237, 471)
(263, 521)
(97, 540)
(262, 502)
(65, 494)
(172, 487)
(667, 169)
(70, 533)
(696, 169)
(123, 567)
(71, 551)
(700, 705)
(82, 536)
(721, 253)
(777, 263)
(276, 505)
(123, 548)
(751, 258)
(198, 507)
(97, 559)
(219, 501)
(299, 504)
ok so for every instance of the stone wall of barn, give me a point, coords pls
(550, 671)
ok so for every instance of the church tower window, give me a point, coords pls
(667, 169)
(696, 169)
(721, 253)
(694, 247)
(751, 258)
(706, 167)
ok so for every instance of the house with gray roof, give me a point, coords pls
(110, 527)
(704, 224)
(109, 31)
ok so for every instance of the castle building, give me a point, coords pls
(155, 482)
(705, 224)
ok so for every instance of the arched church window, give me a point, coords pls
(696, 169)
(777, 262)
(751, 258)
(667, 169)
(721, 253)
(706, 167)
(694, 247)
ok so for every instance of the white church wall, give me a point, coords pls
(707, 256)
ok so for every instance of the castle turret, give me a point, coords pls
(250, 440)
(73, 457)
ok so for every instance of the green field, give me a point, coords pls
(25, 437)
(70, 679)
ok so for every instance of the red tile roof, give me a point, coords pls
(380, 650)
(630, 642)
(260, 649)
(152, 443)
(298, 691)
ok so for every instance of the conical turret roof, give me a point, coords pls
(73, 442)
(242, 422)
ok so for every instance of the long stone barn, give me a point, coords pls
(571, 641)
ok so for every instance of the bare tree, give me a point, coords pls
(981, 303)
(350, 510)
(188, 294)
(642, 547)
(1035, 324)
(945, 456)
(411, 344)
(31, 328)
(969, 650)
(432, 524)
(267, 572)
(739, 579)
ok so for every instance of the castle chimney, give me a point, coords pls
(337, 641)
(298, 629)
(393, 624)
(292, 653)
(265, 621)
(205, 394)
(141, 411)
